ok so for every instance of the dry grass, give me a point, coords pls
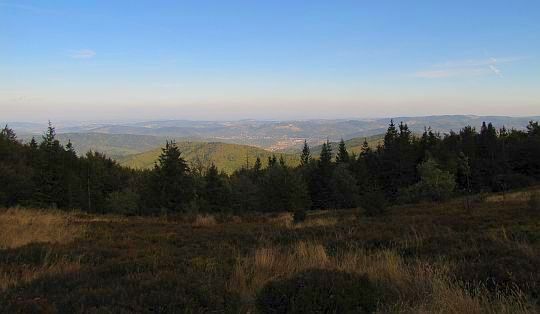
(26, 274)
(19, 227)
(517, 196)
(418, 286)
(204, 221)
(286, 220)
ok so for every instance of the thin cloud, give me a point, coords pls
(82, 54)
(466, 68)
(477, 62)
(495, 70)
(433, 74)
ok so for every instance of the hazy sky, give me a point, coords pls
(267, 59)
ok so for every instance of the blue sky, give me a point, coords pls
(267, 59)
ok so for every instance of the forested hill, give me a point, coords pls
(354, 145)
(226, 157)
(405, 169)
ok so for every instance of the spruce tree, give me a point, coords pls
(49, 179)
(391, 136)
(365, 150)
(272, 160)
(342, 154)
(172, 181)
(305, 158)
(257, 166)
(325, 158)
(215, 194)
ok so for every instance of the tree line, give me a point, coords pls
(404, 168)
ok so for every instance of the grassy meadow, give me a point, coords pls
(423, 258)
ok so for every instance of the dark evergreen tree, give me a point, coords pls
(257, 166)
(272, 160)
(342, 154)
(305, 158)
(172, 183)
(216, 194)
(320, 179)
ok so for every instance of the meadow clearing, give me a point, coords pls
(428, 257)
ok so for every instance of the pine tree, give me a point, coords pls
(342, 154)
(272, 160)
(172, 182)
(216, 193)
(325, 158)
(8, 134)
(49, 178)
(305, 158)
(320, 179)
(257, 166)
(281, 161)
(365, 150)
(391, 136)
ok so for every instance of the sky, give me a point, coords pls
(218, 60)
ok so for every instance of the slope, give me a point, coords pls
(227, 157)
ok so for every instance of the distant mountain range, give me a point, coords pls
(137, 143)
(273, 135)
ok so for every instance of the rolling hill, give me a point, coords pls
(354, 145)
(284, 136)
(227, 157)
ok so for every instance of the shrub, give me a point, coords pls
(373, 203)
(319, 291)
(299, 216)
(435, 184)
(534, 202)
(123, 202)
(511, 181)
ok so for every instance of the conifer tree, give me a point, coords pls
(305, 158)
(257, 166)
(342, 154)
(365, 150)
(282, 161)
(325, 158)
(391, 136)
(172, 182)
(216, 193)
(272, 160)
(49, 179)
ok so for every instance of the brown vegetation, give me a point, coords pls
(424, 258)
(203, 221)
(416, 286)
(22, 226)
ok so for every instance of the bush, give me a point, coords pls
(511, 181)
(435, 184)
(373, 203)
(319, 291)
(123, 202)
(299, 216)
(534, 202)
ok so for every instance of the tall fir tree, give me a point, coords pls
(172, 182)
(305, 158)
(325, 158)
(342, 155)
(216, 193)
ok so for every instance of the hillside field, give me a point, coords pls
(226, 157)
(429, 257)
